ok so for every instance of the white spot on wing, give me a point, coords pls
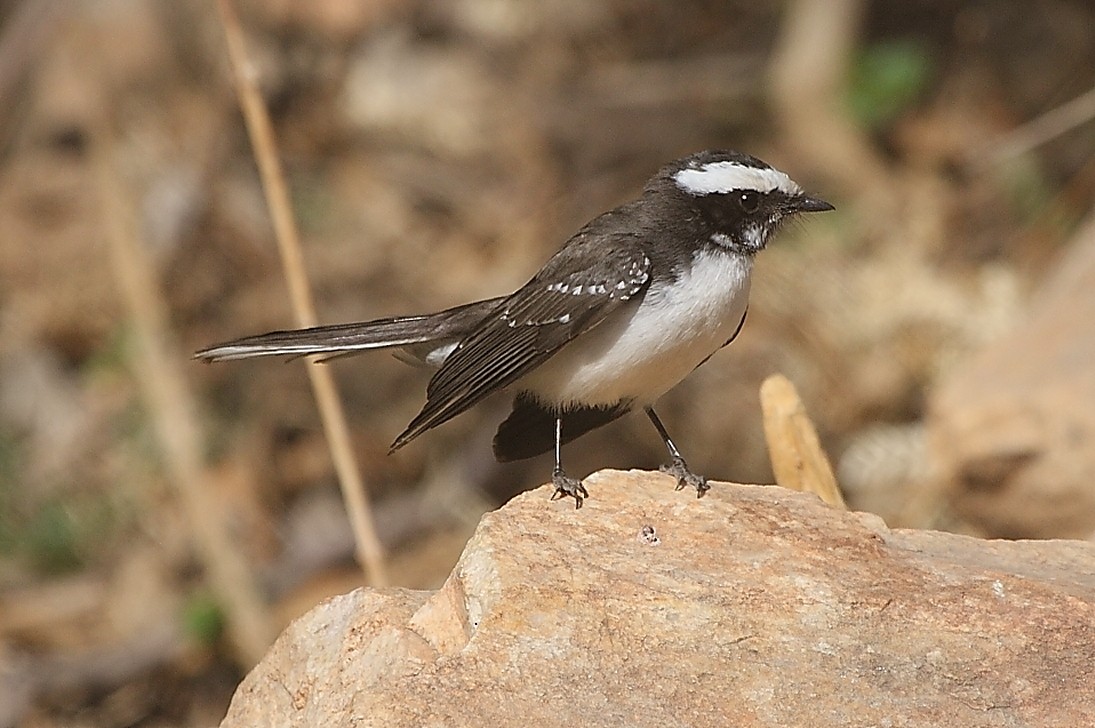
(726, 176)
(438, 356)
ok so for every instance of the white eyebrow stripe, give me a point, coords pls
(722, 177)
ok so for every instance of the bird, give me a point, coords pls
(629, 305)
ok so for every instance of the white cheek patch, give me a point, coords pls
(723, 177)
(753, 236)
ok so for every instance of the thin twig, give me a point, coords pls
(1041, 129)
(159, 374)
(368, 549)
(24, 36)
(808, 73)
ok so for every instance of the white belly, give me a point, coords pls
(642, 351)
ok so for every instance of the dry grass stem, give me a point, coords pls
(1042, 129)
(808, 73)
(368, 548)
(158, 369)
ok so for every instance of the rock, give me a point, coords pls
(1013, 431)
(751, 606)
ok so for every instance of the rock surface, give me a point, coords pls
(754, 606)
(1013, 431)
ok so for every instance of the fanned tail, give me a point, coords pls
(450, 325)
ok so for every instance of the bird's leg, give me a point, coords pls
(564, 484)
(677, 467)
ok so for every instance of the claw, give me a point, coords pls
(678, 468)
(567, 487)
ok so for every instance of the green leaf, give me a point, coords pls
(887, 79)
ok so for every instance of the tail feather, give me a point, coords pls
(530, 428)
(348, 339)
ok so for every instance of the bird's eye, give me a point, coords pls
(749, 201)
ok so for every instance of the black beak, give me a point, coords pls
(803, 203)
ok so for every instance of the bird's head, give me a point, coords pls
(740, 199)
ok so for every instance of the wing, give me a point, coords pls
(592, 276)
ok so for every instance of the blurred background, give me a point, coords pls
(940, 324)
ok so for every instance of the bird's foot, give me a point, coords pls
(678, 468)
(565, 487)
